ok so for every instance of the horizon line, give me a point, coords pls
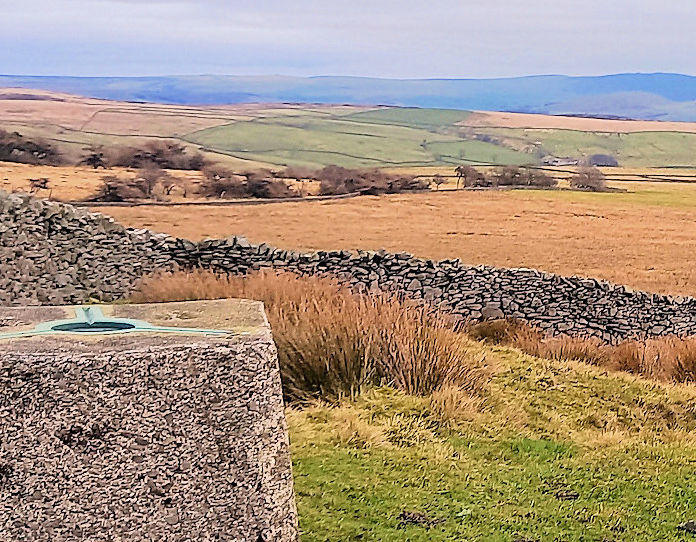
(280, 75)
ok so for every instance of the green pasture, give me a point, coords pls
(412, 117)
(384, 137)
(643, 149)
(384, 141)
(558, 452)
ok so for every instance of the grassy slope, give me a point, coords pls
(653, 149)
(394, 137)
(348, 136)
(674, 195)
(369, 139)
(430, 119)
(546, 428)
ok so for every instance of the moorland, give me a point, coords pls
(508, 446)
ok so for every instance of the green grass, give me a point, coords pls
(654, 149)
(382, 137)
(474, 152)
(357, 140)
(426, 137)
(431, 119)
(546, 430)
(676, 195)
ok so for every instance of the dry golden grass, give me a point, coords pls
(333, 343)
(557, 122)
(74, 183)
(644, 239)
(667, 359)
(451, 404)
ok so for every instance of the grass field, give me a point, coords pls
(370, 139)
(644, 238)
(657, 149)
(497, 119)
(557, 451)
(71, 183)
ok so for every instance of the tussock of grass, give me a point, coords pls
(452, 405)
(333, 343)
(665, 358)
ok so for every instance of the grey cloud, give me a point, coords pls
(361, 37)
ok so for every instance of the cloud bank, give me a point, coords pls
(387, 38)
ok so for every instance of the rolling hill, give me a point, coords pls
(258, 135)
(659, 96)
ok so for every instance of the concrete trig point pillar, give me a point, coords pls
(142, 422)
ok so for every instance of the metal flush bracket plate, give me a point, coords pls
(91, 321)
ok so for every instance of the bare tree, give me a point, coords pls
(35, 185)
(589, 178)
(438, 180)
(261, 184)
(539, 178)
(149, 178)
(115, 189)
(220, 182)
(16, 148)
(509, 176)
(161, 153)
(94, 160)
(468, 176)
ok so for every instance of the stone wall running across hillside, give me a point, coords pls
(52, 253)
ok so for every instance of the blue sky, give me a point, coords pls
(387, 38)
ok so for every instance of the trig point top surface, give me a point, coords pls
(109, 326)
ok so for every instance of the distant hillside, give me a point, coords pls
(641, 96)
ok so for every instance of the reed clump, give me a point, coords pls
(333, 343)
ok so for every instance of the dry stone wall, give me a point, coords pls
(55, 254)
(93, 256)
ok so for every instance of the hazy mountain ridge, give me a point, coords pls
(656, 96)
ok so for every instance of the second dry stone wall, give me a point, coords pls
(52, 253)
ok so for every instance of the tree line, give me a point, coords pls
(155, 157)
(587, 178)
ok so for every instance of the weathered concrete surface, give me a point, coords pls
(53, 253)
(143, 437)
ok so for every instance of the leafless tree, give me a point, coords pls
(94, 160)
(468, 176)
(220, 182)
(149, 178)
(115, 189)
(438, 180)
(589, 178)
(35, 185)
(164, 154)
(16, 148)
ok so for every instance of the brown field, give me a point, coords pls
(70, 183)
(557, 122)
(645, 239)
(76, 183)
(106, 117)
